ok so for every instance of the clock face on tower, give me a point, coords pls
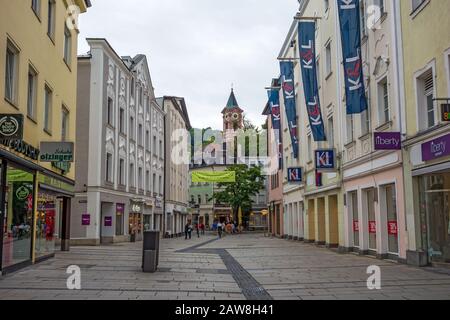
(233, 120)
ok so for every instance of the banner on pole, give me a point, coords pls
(307, 41)
(274, 102)
(350, 24)
(288, 86)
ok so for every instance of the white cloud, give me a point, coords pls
(198, 48)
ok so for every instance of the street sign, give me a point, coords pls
(295, 175)
(11, 126)
(56, 152)
(325, 159)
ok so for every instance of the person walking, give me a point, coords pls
(190, 231)
(197, 228)
(186, 231)
(202, 228)
(219, 229)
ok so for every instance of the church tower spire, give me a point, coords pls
(233, 118)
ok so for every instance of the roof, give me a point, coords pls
(232, 103)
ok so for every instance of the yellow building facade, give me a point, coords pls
(426, 54)
(38, 67)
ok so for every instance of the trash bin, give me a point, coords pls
(149, 261)
(151, 243)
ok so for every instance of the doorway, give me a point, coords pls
(311, 220)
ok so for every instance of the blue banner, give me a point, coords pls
(274, 101)
(307, 41)
(288, 86)
(350, 23)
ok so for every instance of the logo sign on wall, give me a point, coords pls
(325, 159)
(436, 148)
(445, 110)
(108, 221)
(295, 175)
(388, 141)
(56, 152)
(11, 126)
(86, 220)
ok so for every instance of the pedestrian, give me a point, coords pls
(202, 228)
(197, 228)
(186, 231)
(190, 231)
(219, 229)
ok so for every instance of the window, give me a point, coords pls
(109, 160)
(199, 199)
(362, 8)
(133, 87)
(131, 176)
(12, 59)
(121, 120)
(330, 134)
(160, 186)
(31, 94)
(131, 128)
(51, 19)
(140, 181)
(154, 183)
(36, 6)
(366, 118)
(109, 112)
(140, 141)
(327, 5)
(122, 172)
(310, 151)
(67, 45)
(154, 146)
(425, 95)
(383, 102)
(147, 181)
(64, 123)
(48, 109)
(350, 128)
(328, 59)
(147, 140)
(206, 198)
(161, 150)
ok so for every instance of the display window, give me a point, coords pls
(18, 217)
(45, 224)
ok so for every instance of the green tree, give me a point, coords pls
(249, 182)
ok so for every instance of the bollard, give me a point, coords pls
(149, 261)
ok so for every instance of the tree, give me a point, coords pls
(249, 182)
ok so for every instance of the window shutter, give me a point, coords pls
(429, 83)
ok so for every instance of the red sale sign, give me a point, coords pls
(355, 225)
(372, 227)
(392, 228)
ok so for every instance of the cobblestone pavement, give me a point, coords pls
(233, 268)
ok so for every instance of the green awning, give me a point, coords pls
(210, 176)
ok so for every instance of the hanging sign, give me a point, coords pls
(11, 126)
(349, 17)
(288, 85)
(56, 152)
(325, 159)
(307, 40)
(388, 140)
(295, 175)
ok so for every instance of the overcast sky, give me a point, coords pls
(198, 48)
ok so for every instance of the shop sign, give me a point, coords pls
(372, 227)
(392, 228)
(56, 152)
(136, 207)
(108, 221)
(355, 226)
(388, 141)
(86, 220)
(22, 193)
(295, 175)
(445, 110)
(11, 126)
(325, 159)
(63, 166)
(21, 147)
(436, 148)
(120, 208)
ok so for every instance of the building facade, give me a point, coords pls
(177, 126)
(39, 86)
(116, 196)
(426, 54)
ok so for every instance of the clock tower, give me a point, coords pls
(233, 115)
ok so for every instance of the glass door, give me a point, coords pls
(355, 219)
(370, 198)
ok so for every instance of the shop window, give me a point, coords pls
(18, 220)
(51, 19)
(45, 224)
(120, 210)
(391, 209)
(355, 221)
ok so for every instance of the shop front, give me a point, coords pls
(136, 220)
(431, 185)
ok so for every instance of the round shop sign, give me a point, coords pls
(9, 126)
(22, 193)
